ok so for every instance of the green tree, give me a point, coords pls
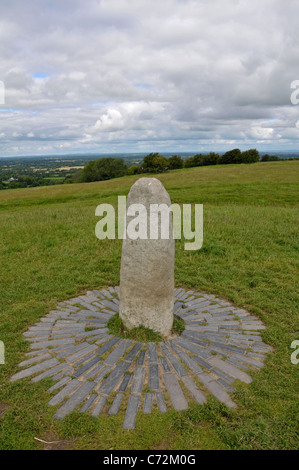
(133, 170)
(189, 162)
(196, 160)
(211, 158)
(175, 162)
(250, 156)
(103, 169)
(153, 163)
(269, 158)
(232, 156)
(199, 159)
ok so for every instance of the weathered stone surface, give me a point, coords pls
(50, 343)
(88, 349)
(124, 385)
(194, 390)
(112, 342)
(141, 358)
(152, 352)
(99, 406)
(175, 392)
(165, 364)
(116, 404)
(176, 364)
(102, 373)
(147, 265)
(216, 390)
(133, 352)
(63, 381)
(50, 372)
(113, 379)
(74, 400)
(231, 370)
(153, 379)
(35, 359)
(138, 379)
(161, 402)
(88, 403)
(87, 366)
(148, 402)
(131, 413)
(118, 352)
(34, 369)
(69, 388)
(186, 359)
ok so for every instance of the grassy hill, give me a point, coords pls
(49, 252)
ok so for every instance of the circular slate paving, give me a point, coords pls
(96, 372)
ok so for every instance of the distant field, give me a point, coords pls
(49, 252)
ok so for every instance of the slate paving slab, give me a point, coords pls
(153, 380)
(34, 369)
(165, 364)
(175, 392)
(131, 413)
(148, 402)
(116, 404)
(68, 389)
(75, 400)
(152, 352)
(114, 378)
(125, 382)
(161, 402)
(230, 370)
(86, 367)
(60, 383)
(102, 373)
(220, 344)
(216, 389)
(118, 352)
(194, 390)
(35, 359)
(50, 372)
(88, 403)
(141, 358)
(101, 401)
(138, 379)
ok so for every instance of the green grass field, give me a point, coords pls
(49, 253)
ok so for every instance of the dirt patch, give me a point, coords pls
(50, 442)
(162, 446)
(3, 409)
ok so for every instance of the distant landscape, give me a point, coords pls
(31, 171)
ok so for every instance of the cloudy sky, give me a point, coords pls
(139, 76)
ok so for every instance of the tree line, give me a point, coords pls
(107, 168)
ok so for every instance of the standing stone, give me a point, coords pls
(147, 264)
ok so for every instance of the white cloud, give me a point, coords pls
(262, 132)
(126, 74)
(110, 121)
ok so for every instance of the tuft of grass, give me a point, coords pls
(140, 333)
(146, 335)
(178, 326)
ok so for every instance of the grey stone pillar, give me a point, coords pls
(147, 262)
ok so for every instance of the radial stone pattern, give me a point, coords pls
(96, 372)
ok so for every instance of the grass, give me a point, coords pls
(141, 333)
(49, 253)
